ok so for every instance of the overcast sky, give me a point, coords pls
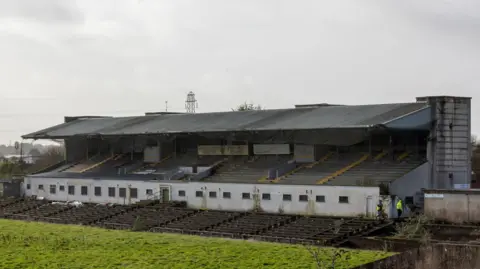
(60, 57)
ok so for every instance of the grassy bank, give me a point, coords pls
(39, 245)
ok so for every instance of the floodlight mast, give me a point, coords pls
(191, 103)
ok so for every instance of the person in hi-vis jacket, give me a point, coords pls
(399, 208)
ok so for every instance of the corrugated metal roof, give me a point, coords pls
(258, 120)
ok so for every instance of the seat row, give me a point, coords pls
(247, 170)
(179, 219)
(86, 214)
(147, 217)
(318, 230)
(17, 206)
(41, 211)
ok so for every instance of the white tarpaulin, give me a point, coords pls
(271, 149)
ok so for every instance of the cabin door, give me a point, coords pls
(369, 211)
(165, 194)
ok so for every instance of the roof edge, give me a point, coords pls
(73, 118)
(30, 136)
(454, 191)
(442, 96)
(406, 115)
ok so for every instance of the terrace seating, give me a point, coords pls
(318, 230)
(167, 164)
(149, 216)
(112, 166)
(208, 160)
(128, 167)
(43, 210)
(20, 206)
(332, 231)
(83, 165)
(308, 228)
(310, 175)
(203, 220)
(175, 162)
(9, 201)
(374, 173)
(240, 169)
(252, 224)
(62, 168)
(86, 214)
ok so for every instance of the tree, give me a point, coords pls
(248, 106)
(52, 155)
(9, 168)
(475, 154)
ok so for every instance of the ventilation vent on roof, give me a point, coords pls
(315, 105)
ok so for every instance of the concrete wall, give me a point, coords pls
(449, 147)
(361, 200)
(10, 188)
(411, 183)
(453, 206)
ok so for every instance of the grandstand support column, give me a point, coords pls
(370, 145)
(175, 147)
(133, 148)
(390, 147)
(87, 149)
(112, 150)
(249, 148)
(229, 143)
(417, 147)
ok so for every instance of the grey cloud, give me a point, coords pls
(453, 18)
(135, 55)
(43, 11)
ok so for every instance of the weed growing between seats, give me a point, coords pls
(40, 245)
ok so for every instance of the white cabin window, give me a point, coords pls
(98, 191)
(245, 195)
(111, 192)
(53, 189)
(287, 197)
(84, 190)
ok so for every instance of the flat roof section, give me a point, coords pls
(453, 191)
(309, 118)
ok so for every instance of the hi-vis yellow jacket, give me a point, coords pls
(399, 205)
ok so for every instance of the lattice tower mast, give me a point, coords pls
(191, 103)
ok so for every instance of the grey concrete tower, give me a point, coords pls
(449, 147)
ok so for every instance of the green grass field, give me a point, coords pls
(39, 245)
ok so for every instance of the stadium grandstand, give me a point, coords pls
(309, 160)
